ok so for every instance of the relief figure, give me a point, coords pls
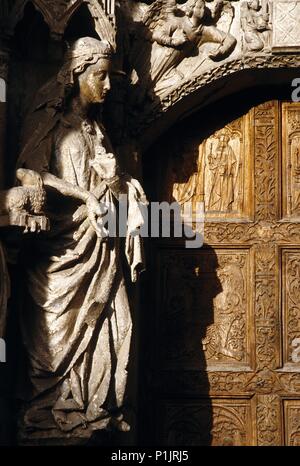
(255, 24)
(177, 34)
(222, 165)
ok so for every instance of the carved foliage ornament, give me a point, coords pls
(212, 423)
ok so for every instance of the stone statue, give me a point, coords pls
(177, 34)
(76, 324)
(255, 24)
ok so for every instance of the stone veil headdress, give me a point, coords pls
(83, 52)
(47, 109)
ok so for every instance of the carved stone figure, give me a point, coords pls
(177, 34)
(255, 24)
(30, 197)
(77, 324)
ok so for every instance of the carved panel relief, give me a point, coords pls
(291, 161)
(208, 319)
(291, 305)
(217, 422)
(266, 309)
(256, 25)
(266, 165)
(291, 415)
(216, 171)
(268, 420)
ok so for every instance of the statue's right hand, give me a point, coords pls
(95, 213)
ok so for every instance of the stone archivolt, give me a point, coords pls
(178, 49)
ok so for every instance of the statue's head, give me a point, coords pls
(171, 7)
(196, 8)
(86, 69)
(223, 139)
(254, 4)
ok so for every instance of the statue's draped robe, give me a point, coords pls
(76, 324)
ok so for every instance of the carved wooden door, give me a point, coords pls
(225, 356)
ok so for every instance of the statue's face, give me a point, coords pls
(199, 9)
(254, 4)
(196, 8)
(94, 82)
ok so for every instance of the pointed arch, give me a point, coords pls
(58, 16)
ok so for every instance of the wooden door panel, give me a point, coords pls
(291, 161)
(291, 416)
(207, 321)
(266, 149)
(290, 291)
(208, 422)
(227, 315)
(217, 171)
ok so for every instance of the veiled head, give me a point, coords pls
(87, 64)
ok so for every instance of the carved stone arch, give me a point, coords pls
(58, 14)
(17, 13)
(199, 92)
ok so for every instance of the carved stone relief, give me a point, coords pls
(186, 45)
(286, 15)
(256, 25)
(178, 33)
